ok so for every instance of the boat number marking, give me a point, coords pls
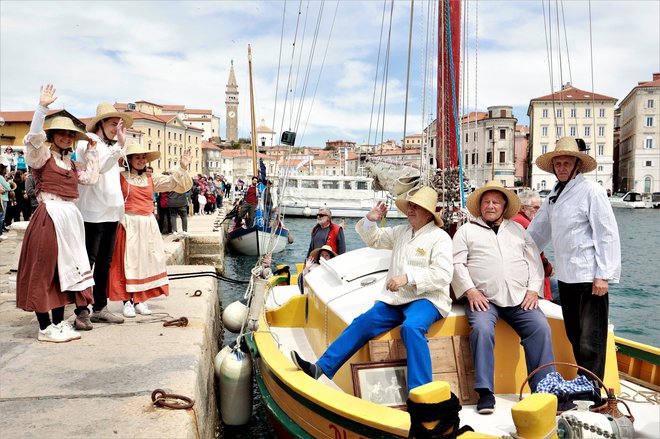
(340, 433)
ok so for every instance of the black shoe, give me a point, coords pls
(486, 404)
(309, 368)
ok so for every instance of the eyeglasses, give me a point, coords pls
(532, 207)
(320, 215)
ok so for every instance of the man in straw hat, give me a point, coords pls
(578, 218)
(102, 204)
(416, 293)
(498, 269)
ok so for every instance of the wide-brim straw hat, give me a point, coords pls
(426, 198)
(315, 253)
(106, 110)
(566, 146)
(136, 148)
(64, 123)
(512, 205)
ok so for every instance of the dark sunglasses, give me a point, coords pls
(320, 215)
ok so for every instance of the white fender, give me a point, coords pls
(256, 303)
(236, 388)
(234, 315)
(307, 211)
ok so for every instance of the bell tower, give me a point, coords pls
(231, 104)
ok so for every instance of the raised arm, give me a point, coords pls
(36, 149)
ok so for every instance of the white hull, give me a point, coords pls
(338, 211)
(631, 200)
(256, 242)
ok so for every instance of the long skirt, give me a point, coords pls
(37, 282)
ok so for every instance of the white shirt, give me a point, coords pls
(584, 233)
(102, 202)
(425, 257)
(504, 266)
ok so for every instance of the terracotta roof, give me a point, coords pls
(399, 152)
(474, 116)
(197, 119)
(655, 82)
(120, 106)
(173, 107)
(209, 145)
(571, 93)
(242, 153)
(25, 116)
(413, 136)
(150, 103)
(197, 111)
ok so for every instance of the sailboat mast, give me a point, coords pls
(253, 127)
(449, 37)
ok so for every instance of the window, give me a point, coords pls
(309, 184)
(650, 103)
(544, 113)
(169, 135)
(648, 163)
(467, 156)
(502, 134)
(573, 112)
(169, 149)
(544, 131)
(601, 131)
(649, 121)
(601, 149)
(362, 185)
(489, 157)
(601, 112)
(587, 131)
(648, 143)
(347, 185)
(543, 184)
(559, 112)
(647, 183)
(502, 156)
(474, 136)
(330, 184)
(149, 146)
(573, 131)
(560, 131)
(600, 169)
(149, 131)
(474, 158)
(180, 137)
(587, 112)
(544, 148)
(490, 134)
(158, 133)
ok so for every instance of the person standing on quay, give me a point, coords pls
(138, 271)
(53, 269)
(578, 218)
(102, 205)
(249, 204)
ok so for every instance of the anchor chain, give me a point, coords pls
(576, 424)
(182, 321)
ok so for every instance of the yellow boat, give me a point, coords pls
(344, 287)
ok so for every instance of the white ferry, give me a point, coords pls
(345, 196)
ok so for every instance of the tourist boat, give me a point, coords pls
(258, 240)
(344, 287)
(345, 196)
(630, 200)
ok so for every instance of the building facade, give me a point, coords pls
(575, 113)
(639, 149)
(237, 164)
(488, 146)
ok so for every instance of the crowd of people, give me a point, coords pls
(495, 266)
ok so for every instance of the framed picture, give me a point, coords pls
(381, 382)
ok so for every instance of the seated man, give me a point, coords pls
(498, 268)
(417, 288)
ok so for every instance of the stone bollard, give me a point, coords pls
(19, 227)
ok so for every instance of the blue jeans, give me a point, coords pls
(533, 329)
(585, 320)
(415, 319)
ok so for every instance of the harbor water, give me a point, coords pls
(633, 301)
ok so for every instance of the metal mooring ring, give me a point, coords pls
(172, 401)
(176, 322)
(197, 293)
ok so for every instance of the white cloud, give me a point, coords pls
(180, 53)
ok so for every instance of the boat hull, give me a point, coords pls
(254, 241)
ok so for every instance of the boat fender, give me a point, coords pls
(307, 211)
(534, 416)
(219, 358)
(234, 315)
(236, 388)
(256, 303)
(290, 237)
(434, 412)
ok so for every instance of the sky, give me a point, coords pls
(316, 63)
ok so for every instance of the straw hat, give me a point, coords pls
(315, 253)
(65, 124)
(512, 205)
(426, 198)
(136, 148)
(566, 146)
(105, 110)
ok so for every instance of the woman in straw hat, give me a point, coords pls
(102, 205)
(416, 290)
(578, 218)
(53, 269)
(314, 260)
(138, 271)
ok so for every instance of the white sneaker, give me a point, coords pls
(129, 309)
(68, 329)
(142, 308)
(55, 334)
(186, 234)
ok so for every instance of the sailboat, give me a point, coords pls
(266, 235)
(351, 406)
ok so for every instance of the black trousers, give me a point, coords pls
(100, 244)
(585, 320)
